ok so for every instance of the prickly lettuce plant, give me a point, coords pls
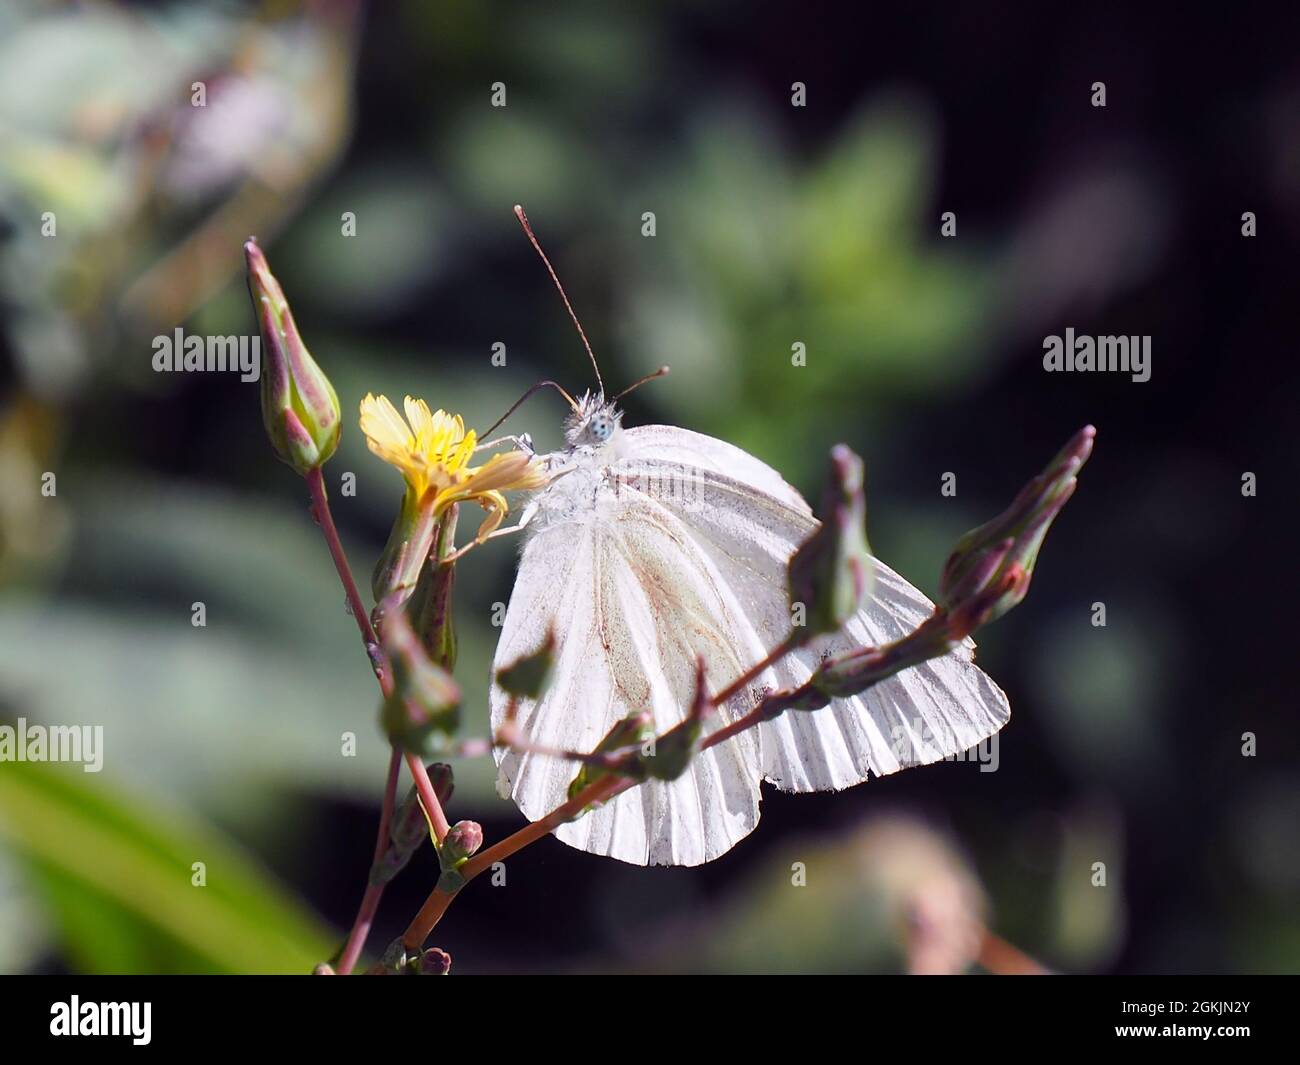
(409, 634)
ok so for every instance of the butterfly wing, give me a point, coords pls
(633, 602)
(669, 444)
(684, 557)
(748, 522)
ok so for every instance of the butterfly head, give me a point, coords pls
(595, 421)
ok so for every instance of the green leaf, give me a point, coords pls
(117, 880)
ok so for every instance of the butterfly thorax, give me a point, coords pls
(580, 488)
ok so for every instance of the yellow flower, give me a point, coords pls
(432, 451)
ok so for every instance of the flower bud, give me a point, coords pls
(395, 958)
(831, 573)
(463, 840)
(527, 676)
(299, 406)
(857, 670)
(429, 608)
(989, 571)
(409, 827)
(674, 750)
(424, 708)
(386, 867)
(629, 732)
(433, 962)
(401, 562)
(443, 781)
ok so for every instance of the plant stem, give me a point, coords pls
(374, 892)
(360, 929)
(428, 797)
(320, 508)
(438, 901)
(390, 801)
(736, 727)
(435, 906)
(775, 655)
(606, 788)
(599, 791)
(1003, 959)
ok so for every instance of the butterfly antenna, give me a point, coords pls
(523, 220)
(661, 372)
(519, 402)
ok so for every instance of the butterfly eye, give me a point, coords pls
(601, 427)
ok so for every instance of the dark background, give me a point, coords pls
(775, 223)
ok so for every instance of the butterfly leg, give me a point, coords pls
(525, 516)
(523, 443)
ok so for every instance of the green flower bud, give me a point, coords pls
(424, 710)
(443, 781)
(299, 406)
(986, 575)
(463, 840)
(831, 573)
(527, 677)
(429, 608)
(631, 731)
(433, 962)
(386, 867)
(674, 750)
(855, 671)
(409, 827)
(989, 570)
(402, 560)
(395, 958)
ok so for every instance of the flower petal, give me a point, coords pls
(418, 414)
(509, 472)
(494, 504)
(382, 424)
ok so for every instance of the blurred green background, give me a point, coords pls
(774, 225)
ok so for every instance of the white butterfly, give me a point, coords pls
(651, 547)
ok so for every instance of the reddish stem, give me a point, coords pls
(428, 797)
(438, 901)
(360, 928)
(320, 509)
(374, 892)
(775, 655)
(1003, 959)
(601, 791)
(390, 801)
